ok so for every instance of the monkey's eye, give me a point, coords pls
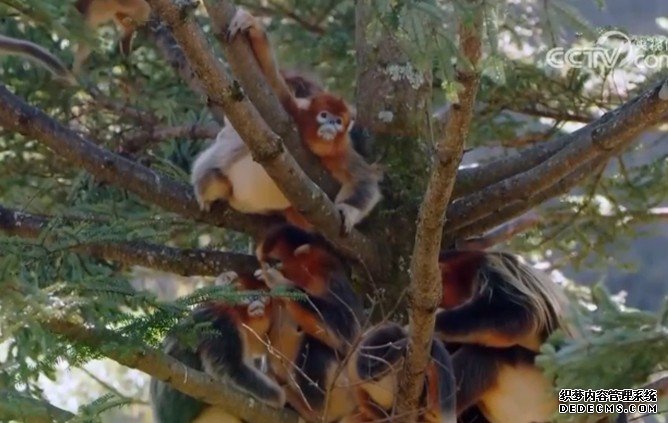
(322, 117)
(251, 298)
(339, 121)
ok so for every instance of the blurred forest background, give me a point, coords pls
(637, 266)
(588, 246)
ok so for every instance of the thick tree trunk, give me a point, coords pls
(393, 103)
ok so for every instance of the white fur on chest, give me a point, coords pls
(215, 414)
(383, 391)
(253, 190)
(522, 395)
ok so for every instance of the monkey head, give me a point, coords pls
(250, 308)
(300, 85)
(304, 257)
(459, 271)
(324, 124)
(258, 304)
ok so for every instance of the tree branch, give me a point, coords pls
(538, 111)
(501, 233)
(281, 12)
(598, 139)
(474, 179)
(19, 407)
(517, 207)
(185, 262)
(169, 370)
(425, 291)
(265, 146)
(149, 185)
(245, 68)
(170, 50)
(140, 140)
(252, 80)
(660, 384)
(121, 108)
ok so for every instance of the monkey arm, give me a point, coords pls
(225, 355)
(360, 193)
(315, 316)
(476, 370)
(494, 323)
(321, 321)
(332, 317)
(441, 384)
(314, 362)
(317, 387)
(264, 54)
(480, 373)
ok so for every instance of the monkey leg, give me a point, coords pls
(212, 186)
(225, 355)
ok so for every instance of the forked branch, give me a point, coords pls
(266, 147)
(425, 287)
(595, 141)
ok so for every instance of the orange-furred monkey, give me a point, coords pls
(228, 354)
(128, 15)
(323, 121)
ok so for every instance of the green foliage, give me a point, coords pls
(610, 211)
(91, 412)
(53, 283)
(49, 278)
(617, 348)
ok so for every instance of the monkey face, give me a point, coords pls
(281, 241)
(252, 304)
(255, 305)
(329, 116)
(329, 125)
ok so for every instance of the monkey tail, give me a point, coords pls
(37, 54)
(447, 387)
(257, 384)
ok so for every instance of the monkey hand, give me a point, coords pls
(350, 216)
(226, 278)
(204, 205)
(272, 277)
(241, 22)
